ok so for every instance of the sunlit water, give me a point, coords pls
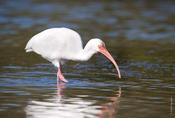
(139, 34)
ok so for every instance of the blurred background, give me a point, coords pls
(140, 35)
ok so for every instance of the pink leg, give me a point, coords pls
(60, 76)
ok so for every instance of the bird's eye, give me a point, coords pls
(100, 47)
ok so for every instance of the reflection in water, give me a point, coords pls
(109, 110)
(60, 86)
(61, 107)
(57, 107)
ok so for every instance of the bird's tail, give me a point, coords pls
(28, 47)
(28, 50)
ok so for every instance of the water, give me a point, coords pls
(140, 36)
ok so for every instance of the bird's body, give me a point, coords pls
(60, 44)
(51, 45)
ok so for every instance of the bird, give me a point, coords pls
(61, 44)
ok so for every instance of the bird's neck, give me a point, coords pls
(86, 53)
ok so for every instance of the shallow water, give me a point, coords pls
(140, 36)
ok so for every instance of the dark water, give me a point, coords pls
(139, 34)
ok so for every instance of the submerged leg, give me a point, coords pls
(60, 76)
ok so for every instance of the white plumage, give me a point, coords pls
(59, 44)
(52, 44)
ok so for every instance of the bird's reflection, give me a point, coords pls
(60, 87)
(63, 106)
(110, 109)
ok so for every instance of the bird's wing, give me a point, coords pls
(56, 43)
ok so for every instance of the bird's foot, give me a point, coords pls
(62, 78)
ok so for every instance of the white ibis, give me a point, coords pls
(59, 44)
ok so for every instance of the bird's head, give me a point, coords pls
(97, 45)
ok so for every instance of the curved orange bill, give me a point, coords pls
(104, 51)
